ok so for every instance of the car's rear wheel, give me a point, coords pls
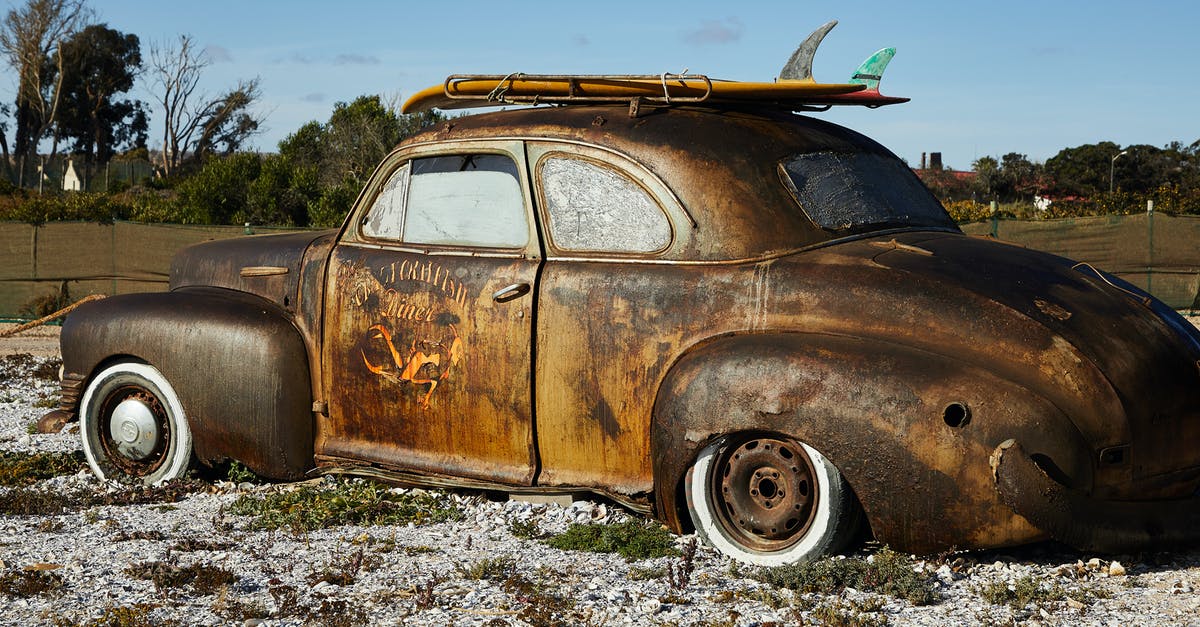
(770, 500)
(133, 426)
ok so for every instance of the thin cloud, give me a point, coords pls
(711, 32)
(218, 54)
(355, 59)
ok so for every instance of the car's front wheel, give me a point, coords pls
(133, 426)
(770, 500)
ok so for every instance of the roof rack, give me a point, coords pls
(665, 88)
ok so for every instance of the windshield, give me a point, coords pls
(861, 192)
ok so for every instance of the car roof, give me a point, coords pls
(721, 163)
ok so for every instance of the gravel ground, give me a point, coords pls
(476, 572)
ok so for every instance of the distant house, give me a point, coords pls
(71, 182)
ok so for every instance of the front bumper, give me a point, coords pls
(1086, 523)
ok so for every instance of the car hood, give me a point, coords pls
(1122, 366)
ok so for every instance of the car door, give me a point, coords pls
(611, 314)
(428, 319)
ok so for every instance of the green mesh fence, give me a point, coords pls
(1156, 252)
(37, 263)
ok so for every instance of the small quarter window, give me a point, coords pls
(595, 208)
(386, 217)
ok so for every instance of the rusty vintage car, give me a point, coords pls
(737, 319)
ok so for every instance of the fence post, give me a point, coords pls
(995, 221)
(1150, 247)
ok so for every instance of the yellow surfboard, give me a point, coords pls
(467, 91)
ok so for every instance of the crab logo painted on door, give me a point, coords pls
(414, 339)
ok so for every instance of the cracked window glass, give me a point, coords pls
(862, 192)
(595, 208)
(386, 217)
(465, 200)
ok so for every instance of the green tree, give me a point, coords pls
(1083, 170)
(219, 192)
(987, 177)
(341, 153)
(1019, 178)
(101, 63)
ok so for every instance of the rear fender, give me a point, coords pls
(882, 413)
(236, 361)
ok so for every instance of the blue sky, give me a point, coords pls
(986, 78)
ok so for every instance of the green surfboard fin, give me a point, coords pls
(871, 70)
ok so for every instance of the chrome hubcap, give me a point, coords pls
(134, 429)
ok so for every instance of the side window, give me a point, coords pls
(592, 207)
(386, 217)
(459, 200)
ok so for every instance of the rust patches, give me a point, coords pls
(1050, 309)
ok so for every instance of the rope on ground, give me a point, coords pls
(43, 320)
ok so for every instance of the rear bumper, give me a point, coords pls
(1086, 523)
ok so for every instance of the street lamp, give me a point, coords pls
(1111, 166)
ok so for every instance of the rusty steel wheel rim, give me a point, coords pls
(144, 463)
(764, 492)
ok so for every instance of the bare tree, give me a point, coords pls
(195, 124)
(176, 72)
(30, 37)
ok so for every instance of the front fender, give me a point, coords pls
(237, 363)
(885, 414)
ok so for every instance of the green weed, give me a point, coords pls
(491, 569)
(632, 540)
(204, 579)
(1025, 590)
(28, 583)
(22, 469)
(349, 502)
(887, 573)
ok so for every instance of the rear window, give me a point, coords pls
(861, 192)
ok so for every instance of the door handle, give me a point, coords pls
(516, 290)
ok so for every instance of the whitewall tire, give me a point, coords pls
(133, 426)
(769, 500)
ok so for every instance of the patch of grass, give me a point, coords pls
(887, 573)
(1025, 590)
(136, 615)
(343, 571)
(632, 540)
(238, 473)
(126, 536)
(543, 605)
(491, 569)
(23, 501)
(190, 545)
(204, 579)
(23, 469)
(48, 402)
(29, 583)
(650, 573)
(349, 502)
(525, 529)
(844, 613)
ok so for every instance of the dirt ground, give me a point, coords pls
(39, 341)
